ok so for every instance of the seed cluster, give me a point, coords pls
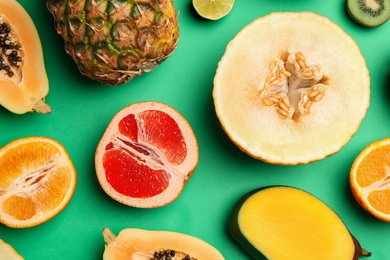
(367, 10)
(9, 55)
(292, 86)
(168, 255)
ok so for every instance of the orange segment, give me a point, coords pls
(37, 181)
(370, 179)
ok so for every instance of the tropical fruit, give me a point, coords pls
(282, 222)
(213, 9)
(370, 179)
(146, 155)
(133, 243)
(291, 88)
(7, 252)
(37, 181)
(23, 79)
(113, 41)
(369, 13)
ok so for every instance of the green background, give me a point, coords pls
(82, 109)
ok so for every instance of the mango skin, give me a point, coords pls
(235, 230)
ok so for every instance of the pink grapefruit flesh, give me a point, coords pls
(146, 155)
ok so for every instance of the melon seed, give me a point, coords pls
(292, 86)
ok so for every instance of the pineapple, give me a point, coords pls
(113, 41)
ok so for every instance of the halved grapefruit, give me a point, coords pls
(146, 155)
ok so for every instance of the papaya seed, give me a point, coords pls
(10, 49)
(168, 254)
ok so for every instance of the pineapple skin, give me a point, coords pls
(113, 41)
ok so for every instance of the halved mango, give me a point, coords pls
(287, 223)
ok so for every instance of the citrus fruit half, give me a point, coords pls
(146, 155)
(291, 88)
(213, 9)
(370, 179)
(7, 252)
(37, 181)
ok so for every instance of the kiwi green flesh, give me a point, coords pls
(362, 13)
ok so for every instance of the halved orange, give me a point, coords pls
(370, 179)
(7, 252)
(37, 181)
(146, 155)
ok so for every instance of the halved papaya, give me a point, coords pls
(134, 243)
(23, 80)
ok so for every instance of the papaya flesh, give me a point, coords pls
(281, 222)
(23, 79)
(140, 244)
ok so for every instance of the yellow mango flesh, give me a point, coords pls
(288, 223)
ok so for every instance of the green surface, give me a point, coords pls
(83, 108)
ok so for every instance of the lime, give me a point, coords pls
(213, 9)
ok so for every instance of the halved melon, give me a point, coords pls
(23, 80)
(291, 88)
(139, 244)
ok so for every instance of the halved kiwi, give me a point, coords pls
(369, 13)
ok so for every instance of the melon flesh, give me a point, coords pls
(257, 129)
